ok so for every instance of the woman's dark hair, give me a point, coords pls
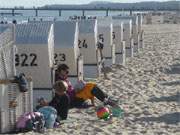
(62, 67)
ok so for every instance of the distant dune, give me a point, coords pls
(168, 5)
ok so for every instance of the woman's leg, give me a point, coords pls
(98, 93)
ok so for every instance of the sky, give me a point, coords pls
(37, 3)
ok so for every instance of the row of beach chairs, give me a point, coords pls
(87, 46)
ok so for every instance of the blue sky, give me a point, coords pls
(36, 3)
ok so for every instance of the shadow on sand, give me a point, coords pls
(171, 83)
(173, 98)
(171, 118)
(174, 69)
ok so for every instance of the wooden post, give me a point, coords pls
(123, 51)
(13, 12)
(107, 12)
(138, 42)
(113, 52)
(130, 12)
(103, 66)
(83, 12)
(132, 47)
(142, 39)
(59, 12)
(36, 12)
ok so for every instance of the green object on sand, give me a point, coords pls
(117, 112)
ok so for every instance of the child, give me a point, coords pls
(57, 108)
(61, 100)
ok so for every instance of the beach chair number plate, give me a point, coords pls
(59, 57)
(25, 60)
(82, 44)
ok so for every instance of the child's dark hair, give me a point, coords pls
(62, 67)
(60, 86)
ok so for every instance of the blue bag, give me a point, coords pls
(50, 115)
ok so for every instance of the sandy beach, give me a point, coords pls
(147, 89)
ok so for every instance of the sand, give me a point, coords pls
(148, 89)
